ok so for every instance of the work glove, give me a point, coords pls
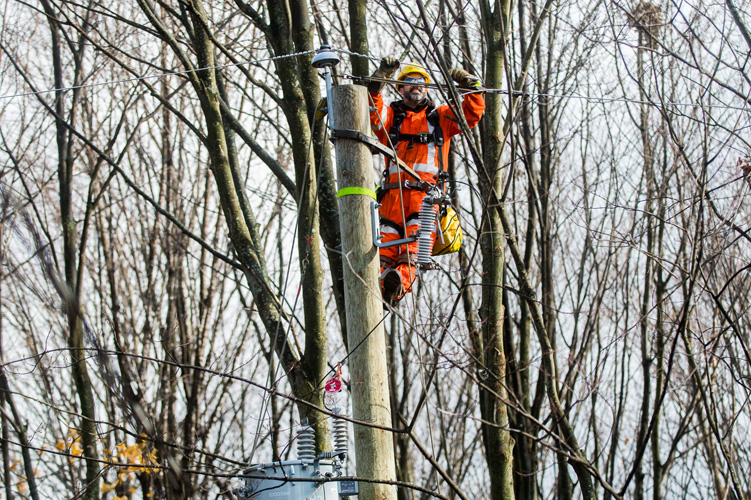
(463, 79)
(322, 109)
(385, 70)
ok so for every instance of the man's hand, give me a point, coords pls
(385, 70)
(464, 79)
(388, 66)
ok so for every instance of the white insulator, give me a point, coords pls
(306, 444)
(427, 225)
(341, 438)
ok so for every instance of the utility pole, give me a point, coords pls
(374, 448)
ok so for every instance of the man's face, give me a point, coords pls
(413, 95)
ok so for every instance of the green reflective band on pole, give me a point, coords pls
(356, 190)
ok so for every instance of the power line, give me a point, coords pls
(377, 59)
(538, 94)
(160, 75)
(549, 95)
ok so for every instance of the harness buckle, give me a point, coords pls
(416, 138)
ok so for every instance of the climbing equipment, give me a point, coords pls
(423, 186)
(392, 287)
(375, 147)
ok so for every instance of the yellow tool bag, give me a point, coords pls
(449, 239)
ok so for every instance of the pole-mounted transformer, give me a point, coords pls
(310, 477)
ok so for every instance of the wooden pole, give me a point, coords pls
(374, 448)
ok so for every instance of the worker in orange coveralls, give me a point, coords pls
(421, 133)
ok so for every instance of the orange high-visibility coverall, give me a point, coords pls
(401, 215)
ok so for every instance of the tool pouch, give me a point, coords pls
(450, 237)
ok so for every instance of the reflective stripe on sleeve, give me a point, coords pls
(383, 115)
(389, 230)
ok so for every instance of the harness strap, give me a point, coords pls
(435, 121)
(396, 136)
(395, 133)
(413, 216)
(396, 124)
(416, 185)
(423, 138)
(395, 225)
(386, 262)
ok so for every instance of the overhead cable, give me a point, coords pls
(160, 75)
(309, 52)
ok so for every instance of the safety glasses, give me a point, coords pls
(414, 80)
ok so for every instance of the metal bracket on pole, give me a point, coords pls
(377, 231)
(375, 147)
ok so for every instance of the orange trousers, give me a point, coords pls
(399, 219)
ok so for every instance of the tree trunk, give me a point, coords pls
(300, 90)
(358, 32)
(498, 442)
(4, 421)
(71, 288)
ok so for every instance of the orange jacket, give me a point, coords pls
(422, 158)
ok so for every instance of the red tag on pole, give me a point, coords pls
(333, 385)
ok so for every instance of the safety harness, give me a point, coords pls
(396, 137)
(395, 132)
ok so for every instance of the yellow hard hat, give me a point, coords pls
(414, 68)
